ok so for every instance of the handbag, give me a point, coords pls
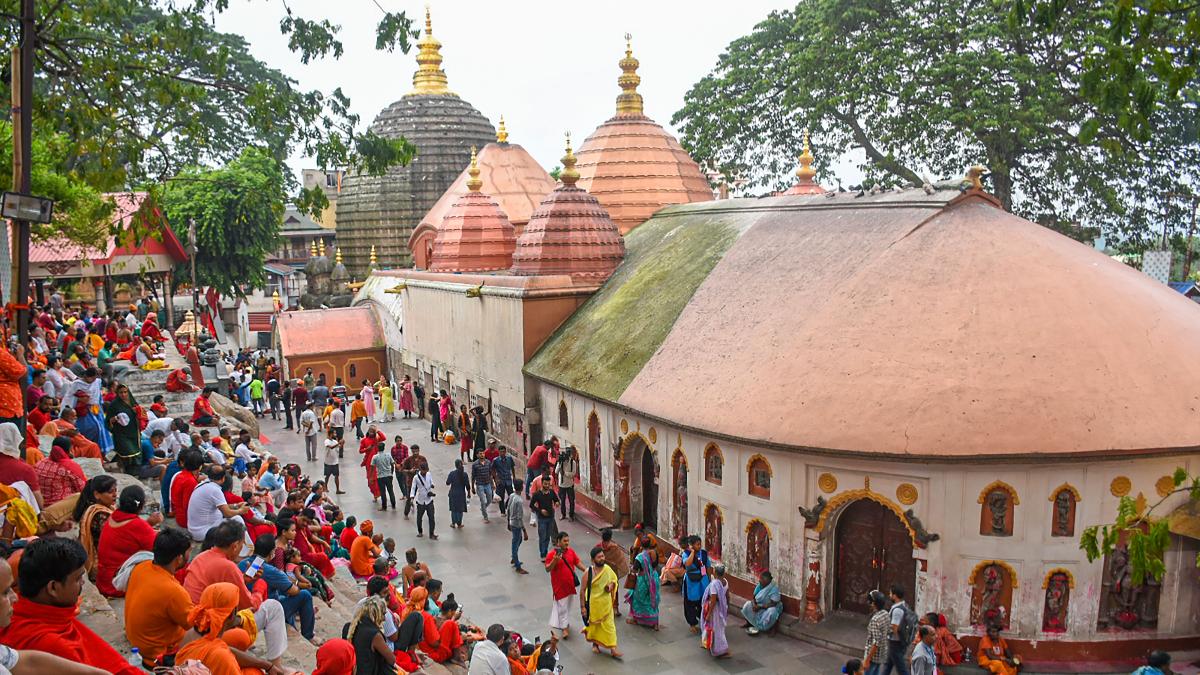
(587, 597)
(631, 581)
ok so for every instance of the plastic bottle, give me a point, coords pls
(135, 657)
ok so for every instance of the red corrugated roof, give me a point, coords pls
(58, 249)
(329, 331)
(260, 321)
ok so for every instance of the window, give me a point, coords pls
(713, 522)
(562, 415)
(714, 463)
(758, 547)
(760, 477)
(353, 370)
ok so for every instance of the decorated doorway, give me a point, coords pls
(649, 490)
(643, 481)
(873, 551)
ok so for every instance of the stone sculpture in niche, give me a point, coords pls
(1058, 596)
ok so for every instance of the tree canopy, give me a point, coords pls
(143, 88)
(928, 88)
(238, 210)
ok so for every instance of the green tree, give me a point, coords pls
(1145, 53)
(1145, 537)
(142, 88)
(237, 209)
(81, 214)
(924, 87)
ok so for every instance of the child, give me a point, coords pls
(389, 551)
(307, 577)
(853, 667)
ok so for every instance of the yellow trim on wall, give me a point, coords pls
(999, 484)
(1052, 572)
(1012, 573)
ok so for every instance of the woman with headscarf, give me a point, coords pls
(123, 535)
(948, 649)
(443, 638)
(370, 647)
(714, 614)
(367, 448)
(217, 629)
(335, 657)
(643, 599)
(122, 418)
(59, 476)
(460, 486)
(92, 511)
(465, 442)
(408, 638)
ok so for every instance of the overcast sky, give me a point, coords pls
(548, 67)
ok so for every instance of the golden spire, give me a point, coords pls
(569, 175)
(806, 173)
(502, 132)
(321, 247)
(374, 261)
(337, 256)
(313, 248)
(629, 103)
(429, 79)
(474, 183)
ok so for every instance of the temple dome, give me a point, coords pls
(512, 177)
(384, 210)
(632, 165)
(474, 235)
(806, 183)
(569, 233)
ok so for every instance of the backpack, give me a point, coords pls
(908, 625)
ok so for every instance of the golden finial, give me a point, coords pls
(429, 79)
(313, 248)
(569, 175)
(629, 103)
(975, 176)
(806, 173)
(374, 261)
(275, 296)
(502, 132)
(474, 183)
(337, 255)
(321, 247)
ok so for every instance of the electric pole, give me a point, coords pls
(22, 112)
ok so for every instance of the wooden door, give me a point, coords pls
(649, 492)
(899, 568)
(858, 536)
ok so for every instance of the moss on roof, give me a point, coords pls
(603, 346)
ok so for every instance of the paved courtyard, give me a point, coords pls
(473, 563)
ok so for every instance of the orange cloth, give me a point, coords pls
(216, 604)
(947, 648)
(517, 667)
(449, 638)
(156, 610)
(80, 445)
(363, 552)
(12, 398)
(990, 654)
(358, 410)
(178, 381)
(212, 567)
(335, 657)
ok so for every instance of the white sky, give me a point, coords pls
(548, 67)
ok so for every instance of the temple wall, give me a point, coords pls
(944, 497)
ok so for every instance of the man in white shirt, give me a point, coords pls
(333, 452)
(924, 661)
(243, 451)
(488, 657)
(208, 507)
(422, 495)
(309, 426)
(337, 422)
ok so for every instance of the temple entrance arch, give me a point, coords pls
(872, 550)
(642, 485)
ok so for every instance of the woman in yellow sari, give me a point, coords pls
(598, 597)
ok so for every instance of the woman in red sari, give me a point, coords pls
(443, 642)
(312, 550)
(123, 535)
(367, 448)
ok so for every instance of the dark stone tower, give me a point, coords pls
(382, 211)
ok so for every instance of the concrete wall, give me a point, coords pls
(946, 503)
(367, 365)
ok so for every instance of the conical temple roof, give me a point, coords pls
(383, 210)
(806, 175)
(510, 175)
(474, 235)
(569, 233)
(632, 165)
